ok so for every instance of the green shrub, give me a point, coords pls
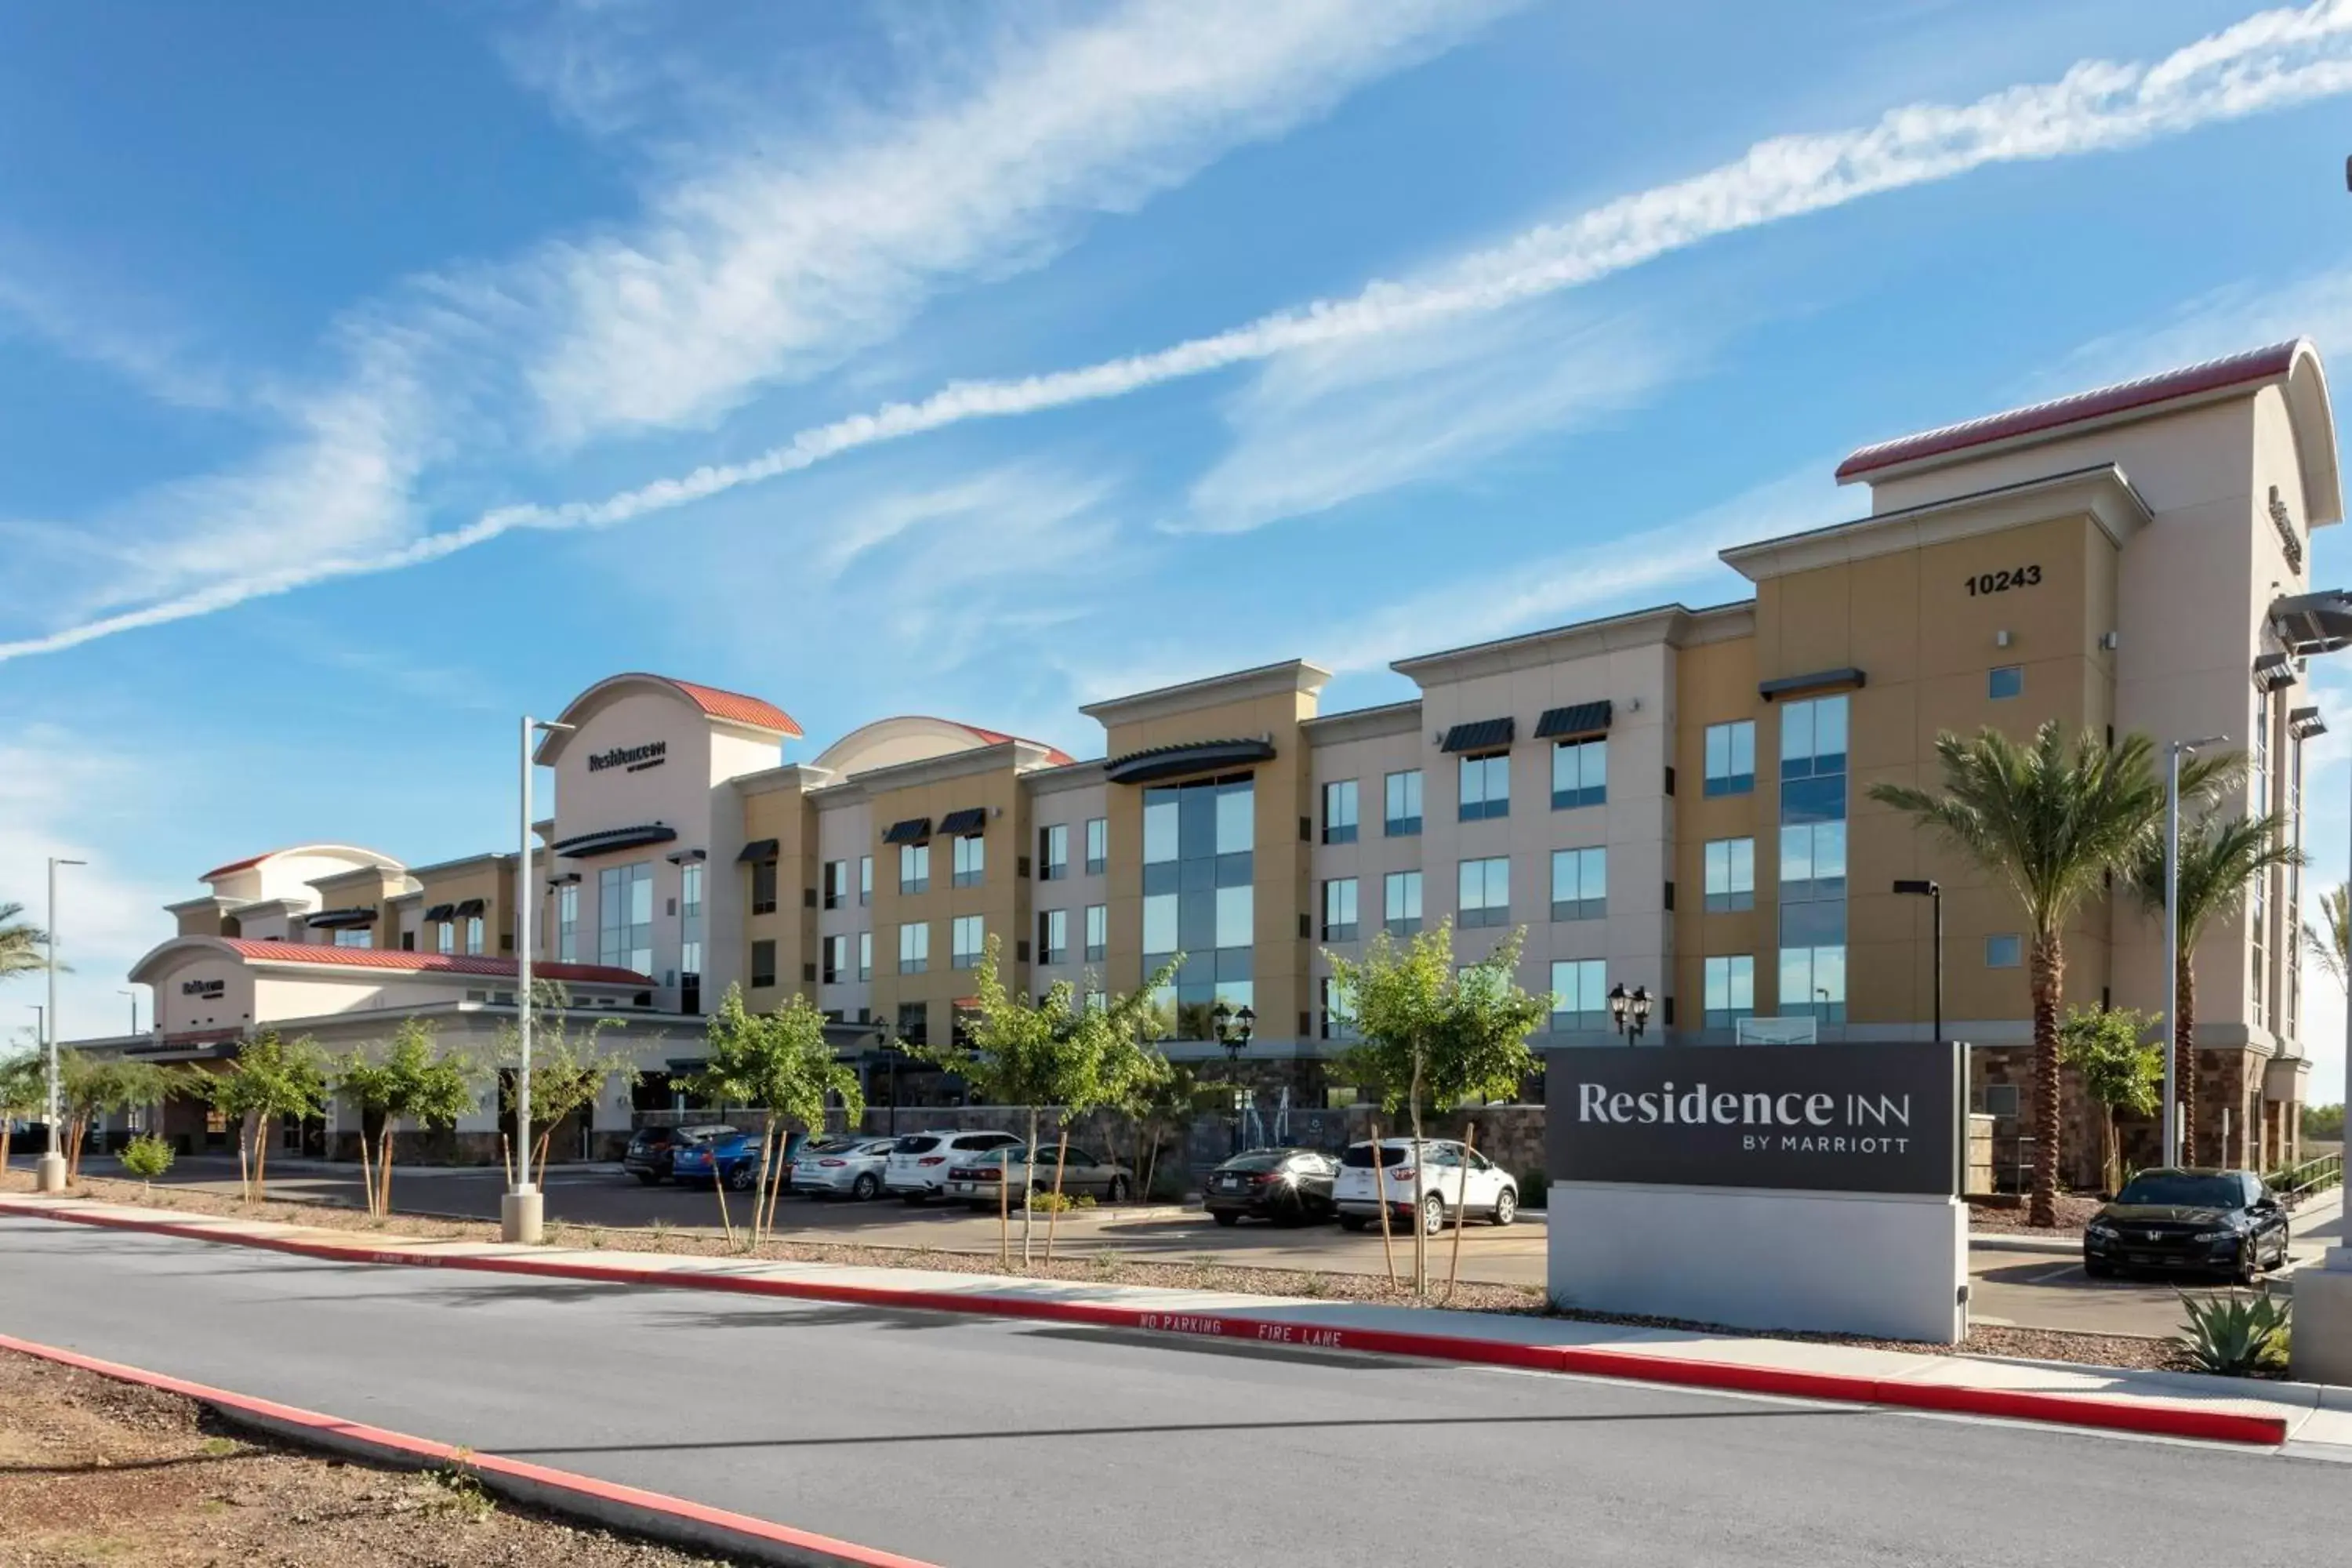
(1534, 1186)
(1046, 1200)
(147, 1156)
(2234, 1335)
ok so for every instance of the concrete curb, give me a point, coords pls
(654, 1515)
(2192, 1422)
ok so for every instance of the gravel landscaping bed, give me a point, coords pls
(2074, 1212)
(96, 1471)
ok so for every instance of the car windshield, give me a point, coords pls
(915, 1145)
(2182, 1190)
(1259, 1162)
(1360, 1156)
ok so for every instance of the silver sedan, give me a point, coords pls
(841, 1167)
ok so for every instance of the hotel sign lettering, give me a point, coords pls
(634, 759)
(1833, 1117)
(204, 988)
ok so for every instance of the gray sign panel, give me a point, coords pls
(1855, 1118)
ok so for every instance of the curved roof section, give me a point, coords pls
(910, 738)
(729, 707)
(2294, 362)
(359, 858)
(331, 957)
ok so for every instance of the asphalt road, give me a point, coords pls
(2030, 1290)
(981, 1444)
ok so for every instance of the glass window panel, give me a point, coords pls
(1159, 825)
(2007, 681)
(1403, 804)
(1098, 931)
(1236, 818)
(1159, 924)
(1813, 799)
(1097, 843)
(1812, 924)
(1236, 908)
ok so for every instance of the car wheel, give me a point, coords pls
(741, 1178)
(646, 1178)
(2249, 1264)
(2098, 1268)
(1352, 1222)
(1117, 1192)
(1433, 1215)
(1507, 1206)
(866, 1186)
(1226, 1217)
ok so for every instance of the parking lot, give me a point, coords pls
(2033, 1289)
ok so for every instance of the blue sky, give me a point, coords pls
(369, 375)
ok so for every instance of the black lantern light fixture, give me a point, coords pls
(1629, 1010)
(1232, 1029)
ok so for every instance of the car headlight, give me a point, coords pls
(2101, 1229)
(2224, 1235)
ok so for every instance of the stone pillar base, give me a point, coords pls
(49, 1173)
(522, 1216)
(2321, 1350)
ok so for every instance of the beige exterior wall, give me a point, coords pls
(982, 779)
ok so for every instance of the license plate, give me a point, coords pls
(1231, 1183)
(963, 1188)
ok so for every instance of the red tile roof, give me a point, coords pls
(482, 964)
(737, 708)
(998, 738)
(2260, 364)
(248, 863)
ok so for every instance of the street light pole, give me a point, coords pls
(1933, 891)
(50, 1173)
(522, 1209)
(2173, 753)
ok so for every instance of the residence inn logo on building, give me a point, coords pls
(1823, 1123)
(636, 759)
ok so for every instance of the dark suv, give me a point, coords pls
(1288, 1186)
(2224, 1222)
(653, 1150)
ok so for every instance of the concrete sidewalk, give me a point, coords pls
(2304, 1418)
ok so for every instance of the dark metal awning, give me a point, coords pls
(758, 849)
(613, 838)
(565, 880)
(341, 920)
(1845, 679)
(2274, 670)
(685, 856)
(2303, 723)
(914, 830)
(971, 821)
(470, 907)
(1484, 735)
(1577, 719)
(2314, 622)
(1156, 762)
(440, 911)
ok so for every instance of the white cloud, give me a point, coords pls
(129, 337)
(2270, 60)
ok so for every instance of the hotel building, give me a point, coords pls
(1675, 800)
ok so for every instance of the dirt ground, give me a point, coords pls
(95, 1471)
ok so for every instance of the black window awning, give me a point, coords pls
(613, 838)
(440, 911)
(914, 830)
(1186, 757)
(2314, 622)
(1574, 722)
(470, 907)
(758, 849)
(971, 821)
(565, 880)
(1484, 735)
(2303, 723)
(341, 920)
(1844, 680)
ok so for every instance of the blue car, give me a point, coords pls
(733, 1159)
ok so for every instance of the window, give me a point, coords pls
(625, 917)
(444, 936)
(763, 887)
(1580, 994)
(1054, 852)
(1339, 909)
(864, 881)
(1730, 990)
(1199, 851)
(1731, 758)
(1813, 859)
(1485, 891)
(1339, 812)
(837, 883)
(971, 860)
(914, 1023)
(355, 936)
(764, 962)
(913, 947)
(1486, 786)
(2007, 680)
(914, 867)
(473, 933)
(2005, 950)
(1403, 811)
(1097, 845)
(1812, 982)
(1401, 903)
(689, 936)
(1730, 875)
(567, 923)
(1338, 1021)
(966, 937)
(1580, 884)
(1813, 738)
(865, 956)
(1053, 936)
(836, 960)
(1580, 774)
(1098, 932)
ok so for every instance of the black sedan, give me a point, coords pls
(1288, 1186)
(653, 1150)
(2223, 1221)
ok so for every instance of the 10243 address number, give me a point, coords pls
(2002, 582)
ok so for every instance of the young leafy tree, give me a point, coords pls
(271, 1077)
(2218, 861)
(2048, 818)
(1051, 1051)
(569, 1068)
(411, 1078)
(1430, 1036)
(147, 1157)
(21, 943)
(2120, 1068)
(89, 1086)
(24, 1093)
(779, 1061)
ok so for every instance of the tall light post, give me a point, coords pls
(1933, 891)
(50, 1171)
(134, 1007)
(522, 1210)
(2173, 753)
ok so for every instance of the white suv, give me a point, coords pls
(917, 1167)
(1448, 1178)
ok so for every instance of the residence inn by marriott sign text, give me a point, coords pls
(1833, 1117)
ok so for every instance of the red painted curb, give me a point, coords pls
(607, 1501)
(2019, 1405)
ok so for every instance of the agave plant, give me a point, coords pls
(2234, 1335)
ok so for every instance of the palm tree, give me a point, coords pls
(2049, 818)
(20, 942)
(2218, 860)
(2330, 943)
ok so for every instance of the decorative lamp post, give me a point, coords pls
(1629, 1010)
(1233, 1030)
